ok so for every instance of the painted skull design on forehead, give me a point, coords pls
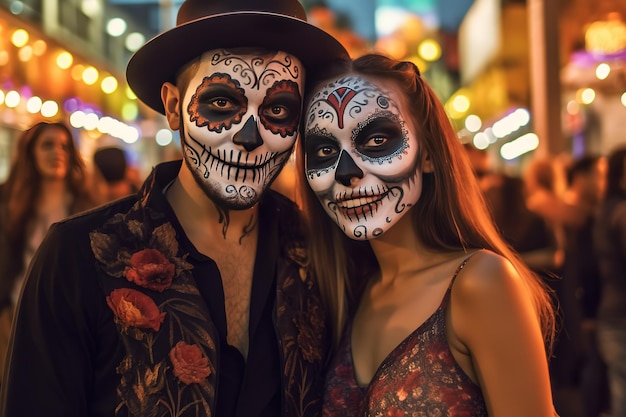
(361, 156)
(243, 112)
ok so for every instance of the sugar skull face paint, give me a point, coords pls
(241, 115)
(361, 157)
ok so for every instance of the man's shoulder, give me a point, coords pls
(86, 221)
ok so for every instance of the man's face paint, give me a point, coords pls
(361, 156)
(240, 121)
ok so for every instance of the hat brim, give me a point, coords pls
(161, 58)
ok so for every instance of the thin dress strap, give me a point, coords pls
(460, 267)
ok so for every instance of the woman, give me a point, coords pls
(609, 240)
(46, 183)
(441, 317)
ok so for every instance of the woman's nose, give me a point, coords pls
(347, 169)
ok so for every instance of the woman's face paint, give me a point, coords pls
(240, 122)
(361, 156)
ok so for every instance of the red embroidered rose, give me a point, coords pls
(135, 309)
(190, 365)
(149, 268)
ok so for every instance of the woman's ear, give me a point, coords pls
(170, 96)
(427, 163)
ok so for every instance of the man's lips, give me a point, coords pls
(236, 159)
(231, 168)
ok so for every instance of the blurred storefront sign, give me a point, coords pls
(479, 38)
(594, 83)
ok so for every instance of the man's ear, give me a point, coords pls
(170, 96)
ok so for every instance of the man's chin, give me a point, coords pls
(235, 196)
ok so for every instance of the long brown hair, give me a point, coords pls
(23, 185)
(450, 214)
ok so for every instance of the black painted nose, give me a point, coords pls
(347, 169)
(248, 136)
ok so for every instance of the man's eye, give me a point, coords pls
(375, 142)
(277, 112)
(222, 104)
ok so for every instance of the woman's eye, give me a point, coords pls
(376, 141)
(326, 151)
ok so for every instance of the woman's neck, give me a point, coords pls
(401, 253)
(53, 193)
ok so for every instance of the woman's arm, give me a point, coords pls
(493, 317)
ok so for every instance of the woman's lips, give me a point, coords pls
(362, 206)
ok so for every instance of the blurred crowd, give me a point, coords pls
(566, 217)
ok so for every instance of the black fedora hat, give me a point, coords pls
(203, 25)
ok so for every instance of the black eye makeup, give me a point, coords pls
(283, 108)
(381, 137)
(280, 110)
(321, 151)
(218, 103)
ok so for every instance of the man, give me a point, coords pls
(191, 298)
(111, 174)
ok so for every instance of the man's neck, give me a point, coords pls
(200, 216)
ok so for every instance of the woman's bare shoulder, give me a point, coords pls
(484, 274)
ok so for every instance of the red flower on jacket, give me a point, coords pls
(190, 365)
(149, 268)
(135, 309)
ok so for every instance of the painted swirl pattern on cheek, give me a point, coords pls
(398, 192)
(334, 209)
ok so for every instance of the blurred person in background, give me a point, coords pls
(527, 232)
(111, 174)
(586, 179)
(433, 313)
(545, 184)
(482, 165)
(609, 240)
(46, 183)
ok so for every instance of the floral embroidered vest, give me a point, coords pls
(169, 338)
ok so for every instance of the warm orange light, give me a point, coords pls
(19, 38)
(77, 72)
(64, 60)
(39, 47)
